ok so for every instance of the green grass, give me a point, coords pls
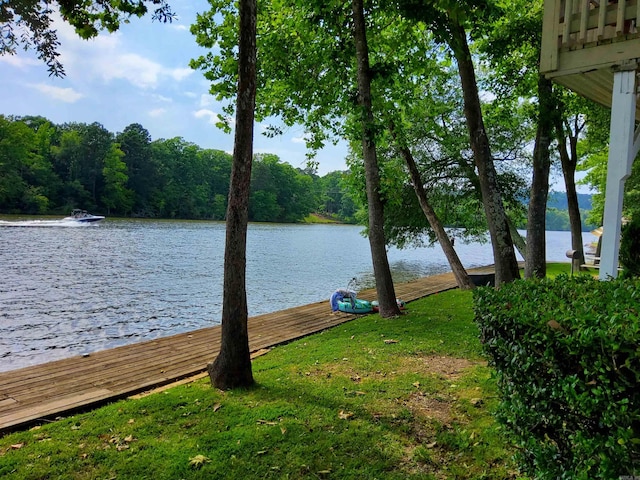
(403, 398)
(318, 218)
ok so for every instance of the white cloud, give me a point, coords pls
(137, 70)
(18, 61)
(67, 95)
(179, 73)
(211, 116)
(109, 57)
(301, 139)
(207, 100)
(157, 112)
(161, 98)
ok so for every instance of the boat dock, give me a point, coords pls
(43, 392)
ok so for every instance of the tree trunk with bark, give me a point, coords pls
(518, 242)
(506, 264)
(536, 259)
(459, 272)
(382, 272)
(569, 161)
(232, 366)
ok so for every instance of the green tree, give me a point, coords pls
(377, 242)
(16, 140)
(42, 175)
(232, 366)
(317, 90)
(135, 143)
(263, 207)
(179, 190)
(66, 156)
(218, 175)
(279, 192)
(95, 145)
(449, 20)
(116, 196)
(39, 184)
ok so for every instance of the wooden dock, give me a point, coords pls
(41, 392)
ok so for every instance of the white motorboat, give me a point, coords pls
(83, 216)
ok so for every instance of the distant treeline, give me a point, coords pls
(51, 169)
(558, 215)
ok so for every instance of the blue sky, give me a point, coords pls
(141, 75)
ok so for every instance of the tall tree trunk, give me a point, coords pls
(536, 264)
(518, 241)
(569, 161)
(381, 270)
(232, 366)
(459, 272)
(506, 264)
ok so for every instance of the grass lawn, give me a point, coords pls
(403, 398)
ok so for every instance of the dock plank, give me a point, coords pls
(36, 393)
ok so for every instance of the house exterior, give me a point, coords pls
(593, 48)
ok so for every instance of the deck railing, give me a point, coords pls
(571, 25)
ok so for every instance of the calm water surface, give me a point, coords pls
(69, 289)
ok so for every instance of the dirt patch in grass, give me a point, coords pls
(448, 367)
(438, 425)
(431, 407)
(438, 407)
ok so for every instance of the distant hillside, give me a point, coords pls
(559, 200)
(557, 217)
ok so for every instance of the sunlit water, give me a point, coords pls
(69, 289)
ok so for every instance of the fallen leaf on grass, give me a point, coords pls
(390, 340)
(345, 415)
(266, 422)
(216, 407)
(17, 446)
(198, 461)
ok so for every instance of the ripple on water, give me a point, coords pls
(71, 291)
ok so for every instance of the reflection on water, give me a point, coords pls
(69, 291)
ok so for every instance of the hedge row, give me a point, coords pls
(567, 358)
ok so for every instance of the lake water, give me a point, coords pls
(69, 289)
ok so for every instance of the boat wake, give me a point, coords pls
(43, 223)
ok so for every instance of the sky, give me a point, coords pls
(139, 74)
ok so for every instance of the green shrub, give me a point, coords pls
(630, 249)
(567, 358)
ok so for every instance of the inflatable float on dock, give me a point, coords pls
(363, 306)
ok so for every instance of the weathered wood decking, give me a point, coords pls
(32, 394)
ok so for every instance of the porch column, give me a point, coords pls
(622, 151)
